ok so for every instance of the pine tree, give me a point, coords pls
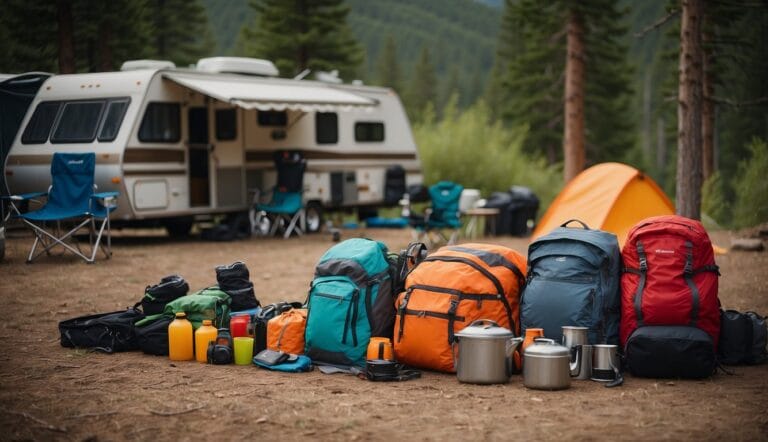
(422, 91)
(31, 41)
(303, 34)
(388, 67)
(180, 31)
(534, 78)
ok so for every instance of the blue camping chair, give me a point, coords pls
(442, 216)
(71, 200)
(285, 209)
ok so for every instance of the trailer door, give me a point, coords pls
(199, 158)
(228, 155)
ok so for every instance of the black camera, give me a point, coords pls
(220, 351)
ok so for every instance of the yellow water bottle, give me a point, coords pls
(180, 346)
(204, 335)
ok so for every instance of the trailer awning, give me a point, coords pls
(266, 94)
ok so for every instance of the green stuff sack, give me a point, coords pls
(209, 303)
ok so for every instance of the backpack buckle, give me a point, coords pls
(643, 264)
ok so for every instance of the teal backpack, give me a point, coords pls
(350, 299)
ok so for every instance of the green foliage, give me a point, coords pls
(388, 71)
(460, 34)
(422, 90)
(180, 31)
(535, 68)
(468, 148)
(105, 33)
(301, 34)
(713, 201)
(751, 186)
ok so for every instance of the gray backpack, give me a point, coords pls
(573, 279)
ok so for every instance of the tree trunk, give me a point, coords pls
(689, 128)
(708, 106)
(66, 38)
(105, 47)
(573, 140)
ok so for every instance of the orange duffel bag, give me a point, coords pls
(447, 291)
(285, 332)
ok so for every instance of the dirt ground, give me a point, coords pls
(52, 393)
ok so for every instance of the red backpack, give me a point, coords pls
(670, 277)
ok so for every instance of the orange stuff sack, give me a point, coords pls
(447, 291)
(285, 332)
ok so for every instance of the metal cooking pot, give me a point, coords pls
(484, 353)
(548, 365)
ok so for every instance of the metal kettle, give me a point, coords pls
(483, 353)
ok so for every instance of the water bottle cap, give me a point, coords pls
(181, 315)
(207, 322)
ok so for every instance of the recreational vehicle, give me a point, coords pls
(181, 144)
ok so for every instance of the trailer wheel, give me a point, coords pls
(314, 217)
(179, 227)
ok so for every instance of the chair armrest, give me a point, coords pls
(107, 199)
(25, 196)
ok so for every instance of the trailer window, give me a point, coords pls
(226, 124)
(272, 118)
(161, 123)
(78, 122)
(39, 126)
(369, 131)
(114, 118)
(326, 128)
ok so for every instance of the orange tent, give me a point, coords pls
(608, 196)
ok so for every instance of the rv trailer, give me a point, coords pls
(184, 144)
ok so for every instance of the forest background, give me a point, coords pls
(482, 81)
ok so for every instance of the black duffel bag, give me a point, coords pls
(234, 279)
(152, 339)
(156, 296)
(743, 338)
(106, 332)
(661, 351)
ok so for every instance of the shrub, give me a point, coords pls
(469, 149)
(751, 187)
(714, 202)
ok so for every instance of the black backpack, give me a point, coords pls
(106, 332)
(234, 279)
(156, 296)
(743, 338)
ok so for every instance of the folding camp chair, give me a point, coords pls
(443, 215)
(71, 201)
(285, 209)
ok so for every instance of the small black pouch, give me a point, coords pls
(106, 332)
(156, 296)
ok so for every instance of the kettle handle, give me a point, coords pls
(486, 322)
(547, 340)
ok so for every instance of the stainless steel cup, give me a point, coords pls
(586, 363)
(605, 363)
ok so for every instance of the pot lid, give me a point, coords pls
(546, 347)
(484, 328)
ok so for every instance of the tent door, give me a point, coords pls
(199, 158)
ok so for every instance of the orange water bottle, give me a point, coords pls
(180, 346)
(204, 335)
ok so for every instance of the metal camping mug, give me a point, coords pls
(573, 339)
(605, 363)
